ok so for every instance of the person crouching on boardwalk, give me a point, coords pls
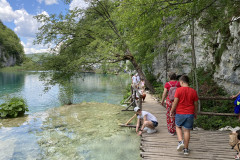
(185, 103)
(149, 121)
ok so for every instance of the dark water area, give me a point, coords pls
(87, 131)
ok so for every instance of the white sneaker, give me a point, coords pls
(146, 128)
(151, 130)
(180, 146)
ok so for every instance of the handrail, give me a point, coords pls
(214, 113)
(217, 114)
(215, 98)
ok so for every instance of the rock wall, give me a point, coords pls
(6, 60)
(226, 74)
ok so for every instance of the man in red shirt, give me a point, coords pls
(185, 103)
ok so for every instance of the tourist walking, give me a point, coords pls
(185, 103)
(170, 120)
(141, 88)
(149, 121)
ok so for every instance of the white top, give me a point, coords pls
(138, 79)
(150, 117)
(134, 79)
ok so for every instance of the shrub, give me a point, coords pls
(126, 93)
(13, 107)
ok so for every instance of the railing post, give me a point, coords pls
(134, 104)
(132, 100)
(199, 106)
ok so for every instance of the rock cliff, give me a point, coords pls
(224, 61)
(7, 60)
(11, 49)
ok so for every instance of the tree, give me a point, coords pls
(11, 44)
(92, 39)
(134, 30)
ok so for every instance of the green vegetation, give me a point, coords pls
(209, 88)
(31, 62)
(10, 44)
(127, 93)
(13, 107)
(215, 122)
(130, 30)
(136, 31)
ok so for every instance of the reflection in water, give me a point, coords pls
(93, 87)
(9, 81)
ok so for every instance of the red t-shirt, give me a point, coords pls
(186, 96)
(173, 83)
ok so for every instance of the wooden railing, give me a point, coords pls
(133, 101)
(216, 99)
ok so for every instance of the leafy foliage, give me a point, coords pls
(209, 88)
(13, 107)
(10, 43)
(215, 122)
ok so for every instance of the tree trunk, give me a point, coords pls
(194, 62)
(166, 60)
(140, 72)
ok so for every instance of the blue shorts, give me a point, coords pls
(184, 120)
(155, 124)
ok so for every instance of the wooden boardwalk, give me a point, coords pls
(205, 145)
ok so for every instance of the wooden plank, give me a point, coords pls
(129, 125)
(162, 146)
(128, 110)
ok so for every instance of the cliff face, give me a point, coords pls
(226, 68)
(11, 49)
(7, 60)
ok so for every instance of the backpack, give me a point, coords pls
(234, 142)
(172, 91)
(237, 105)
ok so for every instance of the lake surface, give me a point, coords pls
(90, 87)
(87, 131)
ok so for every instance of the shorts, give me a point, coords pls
(237, 109)
(184, 120)
(155, 124)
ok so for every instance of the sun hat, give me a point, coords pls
(136, 109)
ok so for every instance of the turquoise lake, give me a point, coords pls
(86, 130)
(90, 87)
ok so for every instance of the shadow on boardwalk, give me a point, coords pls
(162, 146)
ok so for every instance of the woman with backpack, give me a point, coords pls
(168, 94)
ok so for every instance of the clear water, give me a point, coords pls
(91, 87)
(87, 131)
